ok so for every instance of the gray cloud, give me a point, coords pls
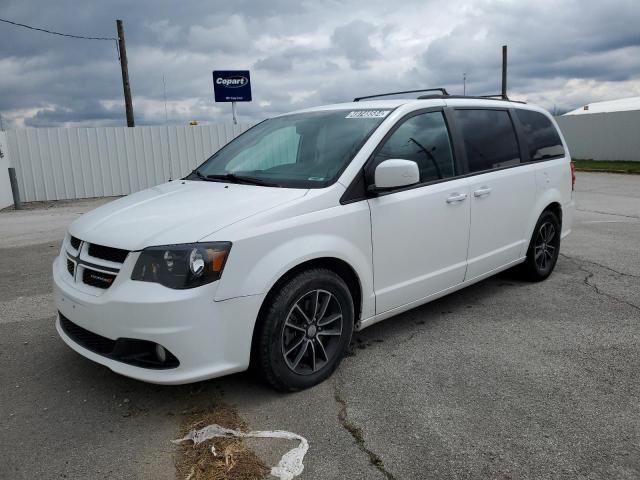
(352, 41)
(303, 53)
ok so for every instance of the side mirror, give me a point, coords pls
(396, 173)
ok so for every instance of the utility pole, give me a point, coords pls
(125, 74)
(504, 72)
(464, 84)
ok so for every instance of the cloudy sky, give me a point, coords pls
(562, 54)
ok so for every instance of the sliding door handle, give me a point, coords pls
(481, 192)
(456, 197)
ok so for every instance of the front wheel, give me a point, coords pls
(305, 331)
(544, 248)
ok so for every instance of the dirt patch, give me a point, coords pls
(220, 458)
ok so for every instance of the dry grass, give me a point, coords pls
(231, 460)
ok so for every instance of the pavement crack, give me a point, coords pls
(358, 436)
(589, 275)
(580, 261)
(607, 213)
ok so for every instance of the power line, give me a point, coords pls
(57, 33)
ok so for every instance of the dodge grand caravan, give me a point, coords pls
(309, 226)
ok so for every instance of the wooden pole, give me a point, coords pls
(14, 189)
(125, 74)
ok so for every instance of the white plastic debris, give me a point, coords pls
(289, 466)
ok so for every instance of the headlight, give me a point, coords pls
(182, 266)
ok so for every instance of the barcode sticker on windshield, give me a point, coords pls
(368, 114)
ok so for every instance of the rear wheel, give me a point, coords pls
(544, 248)
(305, 331)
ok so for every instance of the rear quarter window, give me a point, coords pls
(541, 136)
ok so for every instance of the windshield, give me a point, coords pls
(305, 150)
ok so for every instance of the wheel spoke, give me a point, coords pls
(329, 333)
(551, 232)
(315, 305)
(323, 307)
(329, 320)
(538, 251)
(295, 327)
(303, 350)
(324, 352)
(313, 356)
(551, 247)
(304, 315)
(286, 354)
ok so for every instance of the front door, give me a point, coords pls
(420, 234)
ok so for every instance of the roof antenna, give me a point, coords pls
(504, 72)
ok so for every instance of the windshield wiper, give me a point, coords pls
(235, 178)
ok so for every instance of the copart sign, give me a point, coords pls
(232, 85)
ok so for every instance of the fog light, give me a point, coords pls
(161, 353)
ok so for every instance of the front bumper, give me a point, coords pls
(209, 338)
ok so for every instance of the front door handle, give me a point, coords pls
(481, 192)
(456, 197)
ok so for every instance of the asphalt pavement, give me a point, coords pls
(502, 380)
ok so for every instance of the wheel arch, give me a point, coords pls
(336, 265)
(340, 267)
(551, 200)
(556, 208)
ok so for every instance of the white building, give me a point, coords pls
(620, 105)
(604, 130)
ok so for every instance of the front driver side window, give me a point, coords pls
(424, 139)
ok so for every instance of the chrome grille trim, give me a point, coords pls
(84, 267)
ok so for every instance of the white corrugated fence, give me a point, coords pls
(69, 163)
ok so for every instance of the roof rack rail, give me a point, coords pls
(475, 97)
(441, 90)
(496, 95)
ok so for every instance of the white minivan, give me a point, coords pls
(309, 226)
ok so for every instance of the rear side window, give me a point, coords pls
(541, 136)
(489, 139)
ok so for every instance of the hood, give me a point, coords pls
(181, 211)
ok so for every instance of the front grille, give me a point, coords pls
(97, 279)
(111, 254)
(92, 264)
(70, 267)
(75, 242)
(140, 353)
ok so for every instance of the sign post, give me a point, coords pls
(232, 86)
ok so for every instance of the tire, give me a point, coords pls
(544, 248)
(304, 331)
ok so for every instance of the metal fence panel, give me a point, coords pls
(602, 136)
(68, 163)
(6, 195)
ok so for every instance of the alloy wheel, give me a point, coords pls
(311, 332)
(545, 247)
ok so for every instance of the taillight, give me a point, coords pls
(573, 176)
